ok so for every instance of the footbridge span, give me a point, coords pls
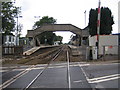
(52, 27)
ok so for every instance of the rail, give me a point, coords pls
(55, 56)
(14, 78)
(40, 73)
(68, 71)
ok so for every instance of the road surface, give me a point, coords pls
(81, 75)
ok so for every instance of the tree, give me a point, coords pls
(105, 24)
(20, 27)
(58, 38)
(9, 12)
(44, 20)
(47, 37)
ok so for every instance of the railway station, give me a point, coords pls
(90, 60)
(60, 66)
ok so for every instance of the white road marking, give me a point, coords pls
(79, 81)
(108, 79)
(107, 64)
(83, 72)
(99, 79)
(3, 70)
(10, 81)
(104, 78)
(48, 67)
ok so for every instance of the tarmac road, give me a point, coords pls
(103, 75)
(82, 75)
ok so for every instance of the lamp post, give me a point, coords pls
(17, 37)
(85, 17)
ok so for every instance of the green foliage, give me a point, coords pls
(9, 12)
(93, 22)
(47, 37)
(58, 38)
(44, 20)
(105, 24)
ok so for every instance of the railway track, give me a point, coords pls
(40, 56)
(41, 72)
(52, 74)
(10, 69)
(14, 78)
(54, 58)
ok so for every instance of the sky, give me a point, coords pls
(64, 11)
(119, 17)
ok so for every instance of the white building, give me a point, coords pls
(10, 40)
(56, 42)
(107, 42)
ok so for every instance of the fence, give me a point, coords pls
(106, 52)
(111, 52)
(12, 50)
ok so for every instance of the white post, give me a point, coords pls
(98, 27)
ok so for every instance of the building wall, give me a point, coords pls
(110, 42)
(56, 43)
(10, 40)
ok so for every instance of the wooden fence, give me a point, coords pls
(12, 50)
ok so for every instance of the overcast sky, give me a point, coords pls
(65, 11)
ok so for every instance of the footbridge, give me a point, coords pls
(52, 27)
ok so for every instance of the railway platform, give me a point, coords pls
(34, 49)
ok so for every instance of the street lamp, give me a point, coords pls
(85, 17)
(17, 37)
